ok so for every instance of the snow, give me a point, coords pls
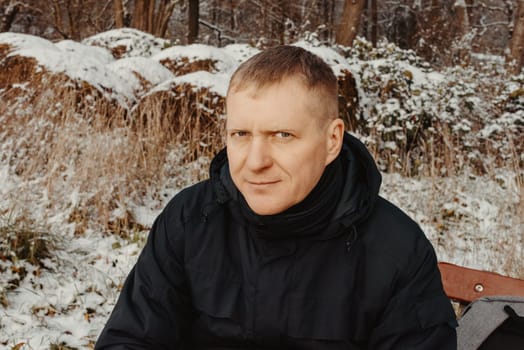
(420, 78)
(75, 60)
(135, 42)
(216, 83)
(469, 205)
(240, 52)
(54, 307)
(199, 52)
(149, 69)
(69, 299)
(99, 54)
(334, 59)
(29, 45)
(96, 65)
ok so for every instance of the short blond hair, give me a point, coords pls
(273, 65)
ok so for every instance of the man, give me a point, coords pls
(287, 245)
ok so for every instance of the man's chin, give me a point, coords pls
(264, 208)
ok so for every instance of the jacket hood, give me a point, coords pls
(360, 190)
(362, 182)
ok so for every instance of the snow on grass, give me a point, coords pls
(99, 54)
(66, 299)
(115, 78)
(470, 220)
(133, 43)
(337, 62)
(148, 69)
(199, 52)
(216, 83)
(77, 61)
(70, 299)
(240, 52)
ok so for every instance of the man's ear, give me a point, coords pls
(335, 138)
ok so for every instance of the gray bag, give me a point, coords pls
(500, 318)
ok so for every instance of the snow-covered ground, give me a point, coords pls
(474, 221)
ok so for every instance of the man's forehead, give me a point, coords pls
(254, 87)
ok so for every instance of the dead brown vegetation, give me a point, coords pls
(19, 69)
(184, 65)
(81, 139)
(4, 50)
(348, 99)
(119, 51)
(21, 241)
(183, 114)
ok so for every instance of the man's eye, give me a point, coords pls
(283, 134)
(239, 133)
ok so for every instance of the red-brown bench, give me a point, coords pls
(465, 285)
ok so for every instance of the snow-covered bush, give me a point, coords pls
(420, 121)
(128, 42)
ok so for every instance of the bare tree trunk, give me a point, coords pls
(8, 17)
(156, 25)
(151, 16)
(332, 26)
(232, 23)
(118, 7)
(280, 10)
(374, 22)
(517, 38)
(264, 21)
(72, 8)
(469, 11)
(461, 17)
(58, 19)
(327, 17)
(350, 21)
(193, 14)
(365, 21)
(163, 17)
(140, 14)
(461, 53)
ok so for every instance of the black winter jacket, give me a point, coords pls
(208, 278)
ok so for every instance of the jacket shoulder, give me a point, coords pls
(391, 234)
(391, 222)
(180, 222)
(191, 202)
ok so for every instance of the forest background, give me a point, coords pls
(443, 32)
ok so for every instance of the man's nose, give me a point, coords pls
(259, 155)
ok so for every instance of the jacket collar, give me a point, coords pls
(359, 189)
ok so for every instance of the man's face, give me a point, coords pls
(276, 146)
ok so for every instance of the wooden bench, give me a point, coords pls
(465, 285)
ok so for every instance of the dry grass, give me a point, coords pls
(348, 100)
(184, 65)
(74, 139)
(81, 141)
(445, 152)
(184, 115)
(119, 51)
(22, 240)
(17, 70)
(4, 50)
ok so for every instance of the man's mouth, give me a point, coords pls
(262, 183)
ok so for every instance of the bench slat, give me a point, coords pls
(465, 284)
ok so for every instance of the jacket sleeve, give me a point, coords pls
(153, 310)
(418, 316)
